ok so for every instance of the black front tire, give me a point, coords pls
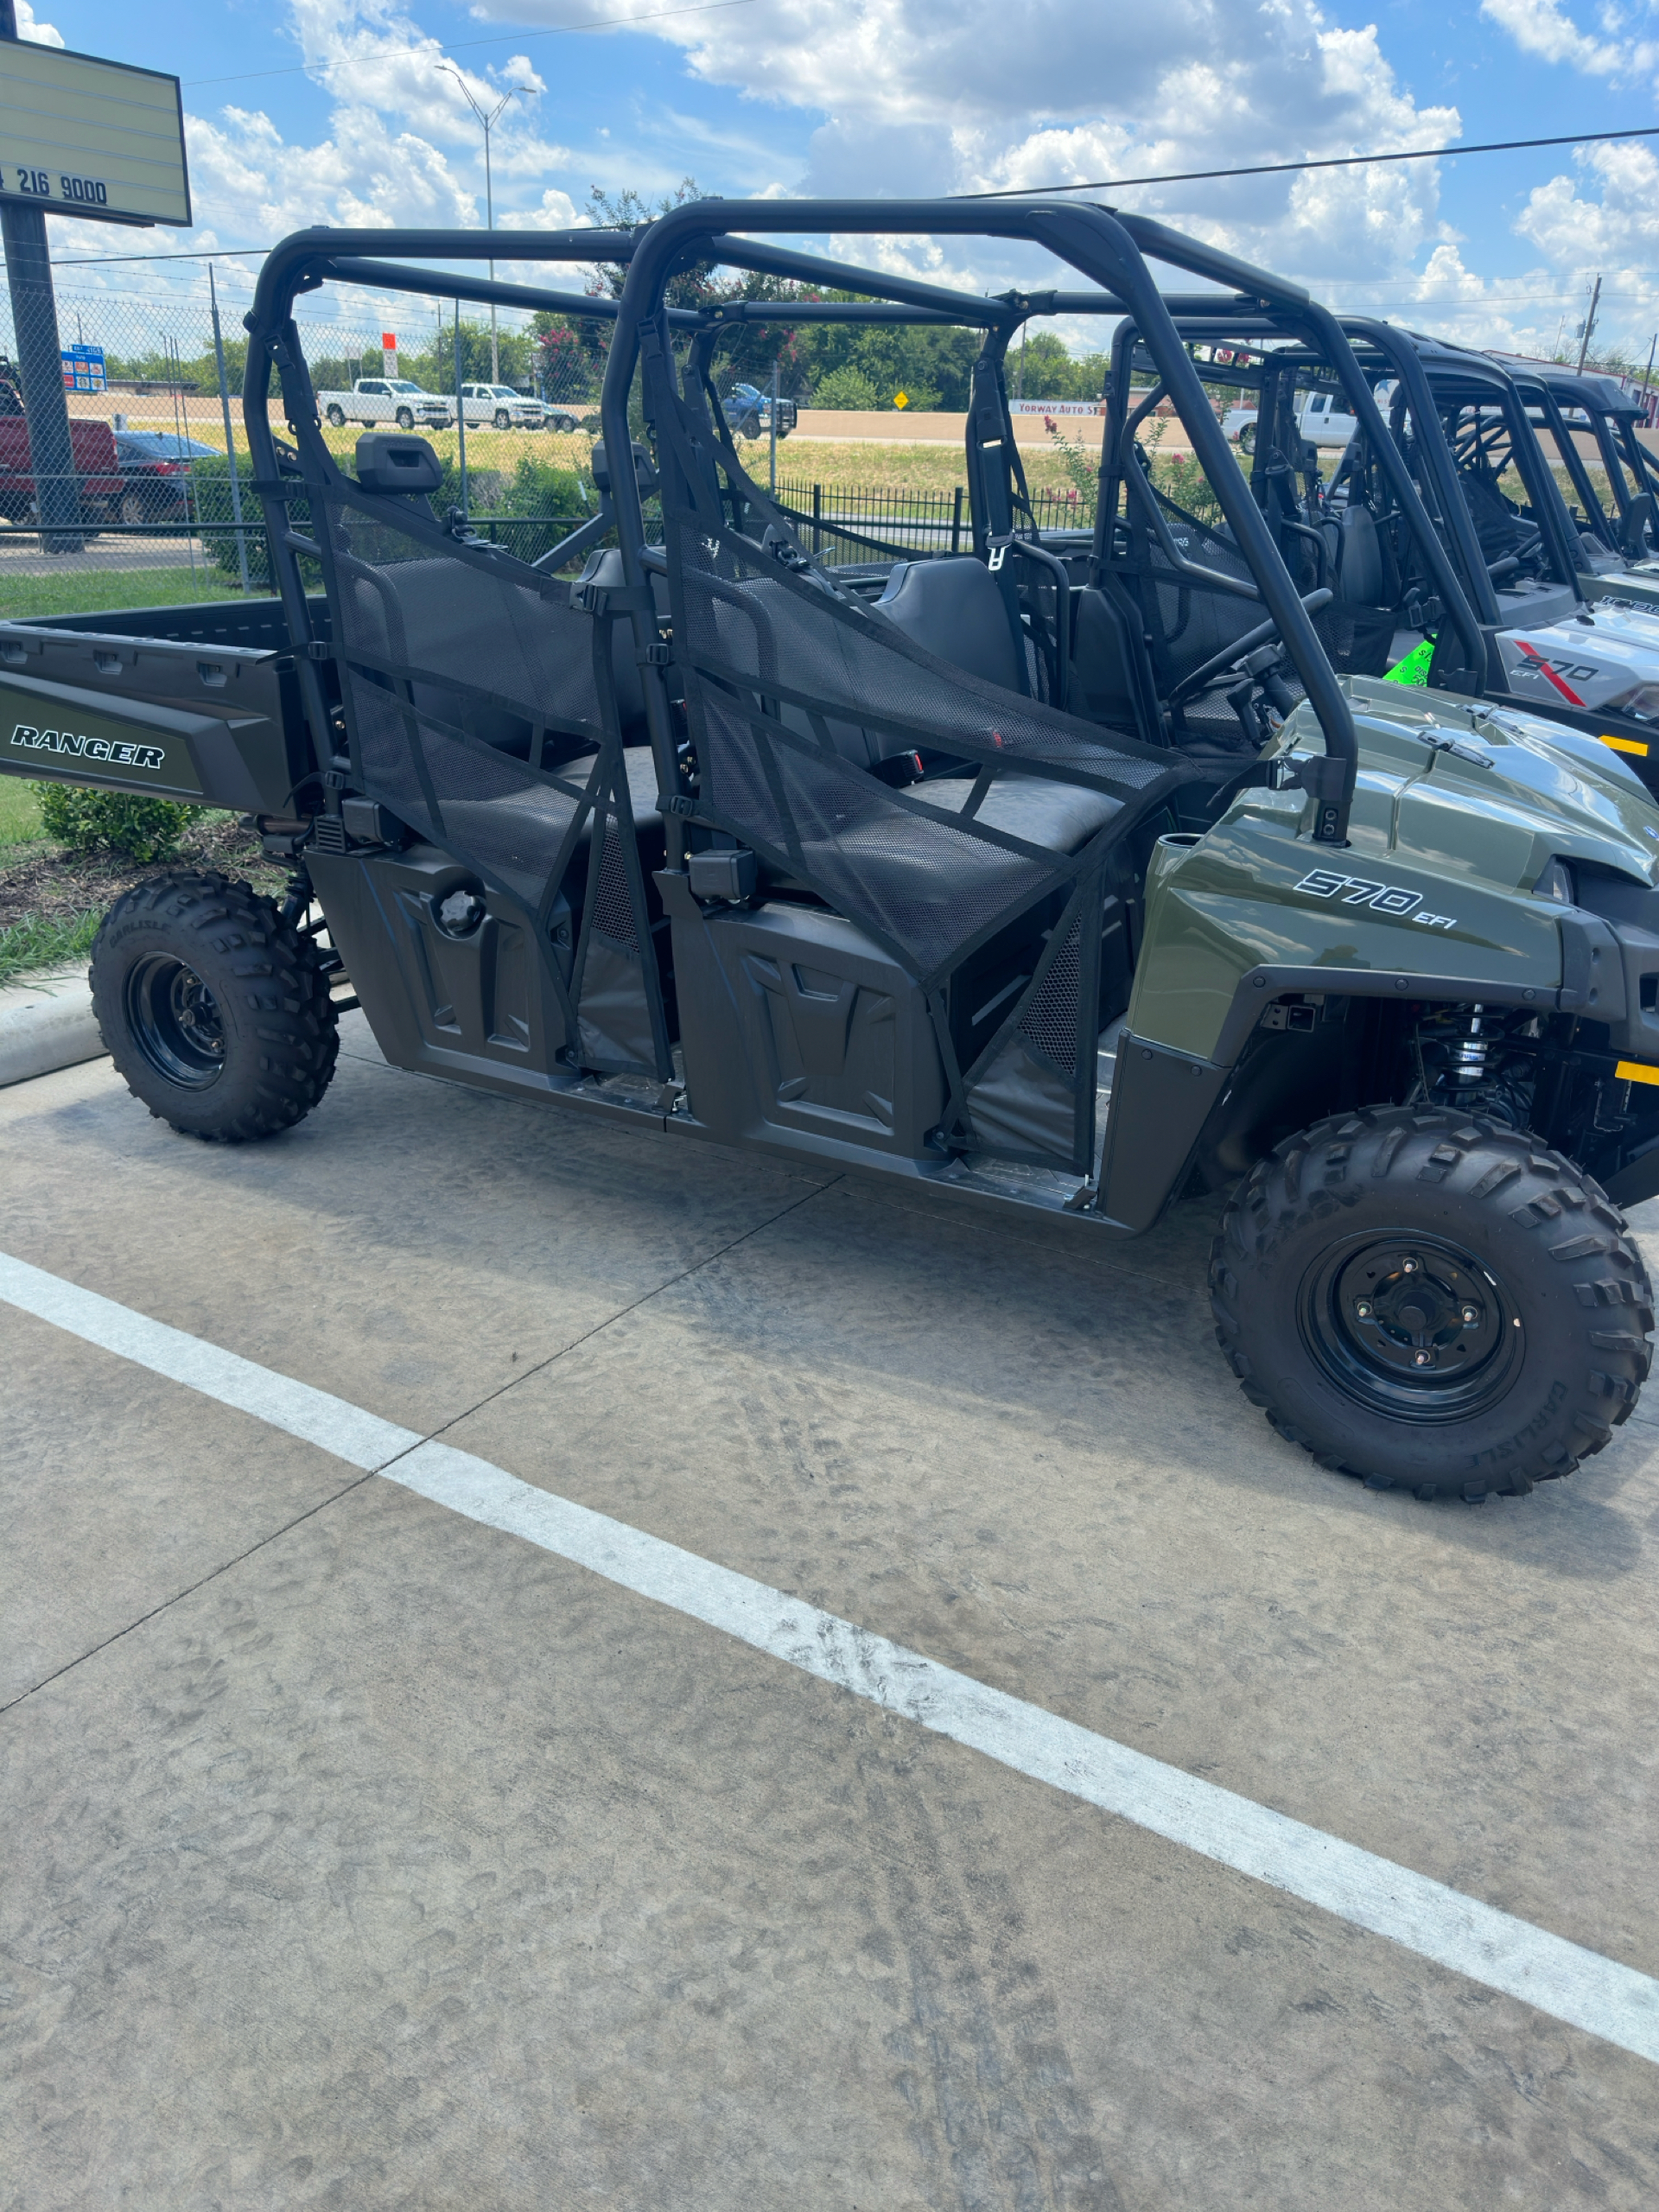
(1432, 1302)
(213, 1009)
(405, 418)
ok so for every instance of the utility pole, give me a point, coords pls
(1589, 324)
(1647, 373)
(40, 360)
(489, 122)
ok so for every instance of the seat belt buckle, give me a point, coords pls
(999, 551)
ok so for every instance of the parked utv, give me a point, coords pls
(914, 869)
(1440, 538)
(1616, 534)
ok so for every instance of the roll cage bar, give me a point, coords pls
(1415, 363)
(1202, 318)
(1105, 247)
(1614, 421)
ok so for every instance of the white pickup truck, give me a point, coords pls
(501, 408)
(373, 400)
(1319, 418)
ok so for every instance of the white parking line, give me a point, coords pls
(1573, 1983)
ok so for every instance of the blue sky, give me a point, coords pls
(887, 96)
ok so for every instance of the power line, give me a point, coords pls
(498, 38)
(1336, 162)
(213, 253)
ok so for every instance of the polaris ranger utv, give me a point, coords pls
(710, 842)
(1421, 557)
(1615, 536)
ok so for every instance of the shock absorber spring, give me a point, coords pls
(1477, 1058)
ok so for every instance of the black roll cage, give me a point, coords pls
(1202, 321)
(1415, 362)
(1614, 429)
(1106, 247)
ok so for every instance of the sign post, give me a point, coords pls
(85, 137)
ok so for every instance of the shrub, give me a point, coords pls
(847, 388)
(116, 822)
(1084, 471)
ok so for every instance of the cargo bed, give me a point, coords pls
(199, 704)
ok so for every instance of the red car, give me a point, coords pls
(91, 443)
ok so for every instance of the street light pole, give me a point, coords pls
(488, 122)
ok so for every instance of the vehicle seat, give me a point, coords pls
(1061, 817)
(539, 814)
(955, 608)
(1361, 576)
(1498, 532)
(460, 621)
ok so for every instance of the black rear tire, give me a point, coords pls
(336, 418)
(1432, 1302)
(213, 1009)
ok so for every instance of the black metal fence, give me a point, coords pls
(835, 520)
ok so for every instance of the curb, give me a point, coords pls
(46, 1023)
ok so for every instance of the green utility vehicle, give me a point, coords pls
(867, 866)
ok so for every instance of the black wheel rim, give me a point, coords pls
(175, 1021)
(1413, 1328)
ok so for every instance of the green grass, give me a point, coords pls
(97, 592)
(35, 945)
(20, 812)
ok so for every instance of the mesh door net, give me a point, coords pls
(481, 709)
(796, 694)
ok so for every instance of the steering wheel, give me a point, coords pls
(1218, 663)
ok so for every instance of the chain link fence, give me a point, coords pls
(148, 503)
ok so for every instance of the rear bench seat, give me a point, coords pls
(955, 609)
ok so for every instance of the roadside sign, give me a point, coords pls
(901, 399)
(83, 368)
(389, 347)
(96, 139)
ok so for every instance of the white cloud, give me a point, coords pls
(39, 34)
(1541, 28)
(919, 96)
(885, 98)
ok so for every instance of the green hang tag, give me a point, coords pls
(1413, 669)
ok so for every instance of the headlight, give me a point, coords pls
(1555, 881)
(1642, 702)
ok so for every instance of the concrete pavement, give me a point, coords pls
(363, 1856)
